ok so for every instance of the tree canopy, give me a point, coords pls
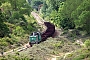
(67, 14)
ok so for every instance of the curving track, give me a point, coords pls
(50, 27)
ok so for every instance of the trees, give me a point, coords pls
(66, 23)
(81, 16)
(14, 25)
(68, 13)
(84, 21)
(49, 7)
(3, 27)
(35, 4)
(15, 10)
(7, 8)
(65, 12)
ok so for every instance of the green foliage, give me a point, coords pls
(3, 27)
(54, 18)
(16, 15)
(69, 7)
(67, 13)
(35, 4)
(84, 21)
(82, 56)
(81, 16)
(54, 4)
(30, 28)
(67, 24)
(3, 43)
(14, 26)
(7, 7)
(6, 41)
(31, 24)
(2, 17)
(3, 30)
(15, 57)
(57, 45)
(79, 57)
(87, 43)
(70, 55)
(43, 9)
(26, 9)
(50, 11)
(18, 31)
(16, 9)
(23, 11)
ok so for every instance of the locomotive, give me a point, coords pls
(37, 37)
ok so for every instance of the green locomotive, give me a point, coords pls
(34, 38)
(37, 37)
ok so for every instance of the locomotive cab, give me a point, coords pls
(35, 37)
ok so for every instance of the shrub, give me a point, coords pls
(66, 23)
(16, 15)
(58, 45)
(30, 28)
(3, 27)
(79, 57)
(70, 55)
(18, 31)
(87, 43)
(82, 56)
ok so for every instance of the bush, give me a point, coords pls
(66, 23)
(79, 57)
(30, 28)
(16, 15)
(82, 56)
(18, 31)
(3, 27)
(58, 45)
(87, 43)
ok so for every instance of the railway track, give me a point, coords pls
(50, 28)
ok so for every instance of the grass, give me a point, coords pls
(58, 47)
(47, 48)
